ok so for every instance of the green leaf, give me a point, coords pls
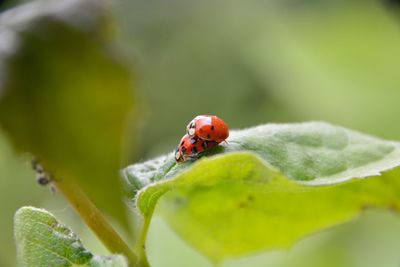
(65, 95)
(273, 185)
(43, 241)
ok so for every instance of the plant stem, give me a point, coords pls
(95, 220)
(141, 243)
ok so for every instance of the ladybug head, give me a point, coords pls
(178, 155)
(191, 128)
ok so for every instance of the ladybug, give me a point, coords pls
(209, 128)
(192, 147)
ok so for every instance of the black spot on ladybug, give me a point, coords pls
(193, 141)
(183, 150)
(212, 127)
(182, 143)
(194, 150)
(208, 136)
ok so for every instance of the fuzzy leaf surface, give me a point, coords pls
(43, 241)
(268, 187)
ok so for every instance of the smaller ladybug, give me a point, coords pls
(192, 147)
(208, 127)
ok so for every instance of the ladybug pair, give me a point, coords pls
(202, 133)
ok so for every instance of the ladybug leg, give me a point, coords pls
(192, 158)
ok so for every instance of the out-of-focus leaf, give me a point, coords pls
(65, 94)
(298, 179)
(43, 241)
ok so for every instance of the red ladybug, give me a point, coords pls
(209, 128)
(191, 147)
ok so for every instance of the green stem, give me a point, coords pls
(95, 220)
(140, 246)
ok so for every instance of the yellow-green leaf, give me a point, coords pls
(269, 186)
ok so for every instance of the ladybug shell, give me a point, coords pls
(191, 147)
(208, 127)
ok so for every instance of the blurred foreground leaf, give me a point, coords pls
(64, 94)
(294, 180)
(43, 241)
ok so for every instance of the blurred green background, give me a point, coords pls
(249, 62)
